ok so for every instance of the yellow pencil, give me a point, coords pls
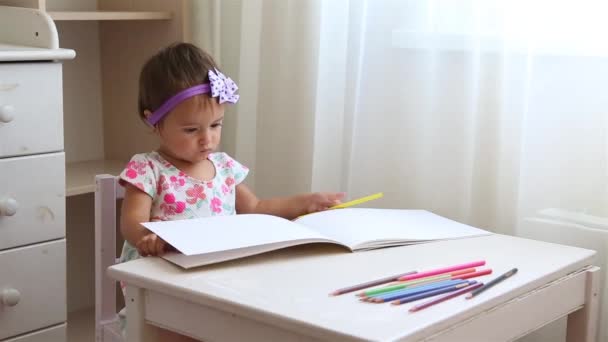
(358, 201)
(351, 203)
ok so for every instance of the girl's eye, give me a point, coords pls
(190, 130)
(216, 125)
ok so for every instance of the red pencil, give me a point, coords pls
(473, 275)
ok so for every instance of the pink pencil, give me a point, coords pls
(442, 270)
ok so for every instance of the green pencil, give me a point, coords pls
(403, 285)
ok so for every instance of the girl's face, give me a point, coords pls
(192, 130)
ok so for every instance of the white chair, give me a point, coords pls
(107, 192)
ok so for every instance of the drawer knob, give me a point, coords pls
(10, 297)
(7, 113)
(8, 207)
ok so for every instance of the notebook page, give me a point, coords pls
(217, 234)
(189, 261)
(359, 227)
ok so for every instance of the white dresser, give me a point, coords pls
(32, 179)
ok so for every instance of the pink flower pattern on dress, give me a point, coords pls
(171, 206)
(196, 193)
(176, 195)
(135, 168)
(177, 182)
(216, 205)
(229, 181)
(162, 185)
(169, 198)
(229, 164)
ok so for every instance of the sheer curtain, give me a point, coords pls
(489, 112)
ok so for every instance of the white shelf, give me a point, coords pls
(80, 176)
(13, 53)
(109, 15)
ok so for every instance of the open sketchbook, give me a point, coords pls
(219, 238)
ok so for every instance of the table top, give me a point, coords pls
(290, 287)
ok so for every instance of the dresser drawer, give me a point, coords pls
(32, 199)
(31, 108)
(54, 334)
(33, 282)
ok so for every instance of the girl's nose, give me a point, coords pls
(204, 138)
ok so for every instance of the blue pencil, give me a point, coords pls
(422, 291)
(415, 291)
(432, 293)
(443, 298)
(410, 290)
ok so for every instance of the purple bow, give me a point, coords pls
(223, 87)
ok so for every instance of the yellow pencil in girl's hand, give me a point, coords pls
(351, 203)
(358, 201)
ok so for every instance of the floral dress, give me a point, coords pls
(177, 196)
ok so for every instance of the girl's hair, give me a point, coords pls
(173, 69)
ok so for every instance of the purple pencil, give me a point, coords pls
(369, 284)
(445, 297)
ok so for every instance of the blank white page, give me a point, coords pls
(357, 226)
(221, 233)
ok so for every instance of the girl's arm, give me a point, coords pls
(286, 207)
(136, 207)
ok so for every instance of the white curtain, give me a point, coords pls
(489, 112)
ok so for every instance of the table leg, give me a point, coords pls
(137, 328)
(583, 323)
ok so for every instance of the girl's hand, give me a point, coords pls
(151, 244)
(320, 201)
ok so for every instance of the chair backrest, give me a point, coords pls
(107, 192)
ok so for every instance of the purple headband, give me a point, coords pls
(219, 86)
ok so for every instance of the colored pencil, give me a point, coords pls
(432, 293)
(474, 274)
(358, 201)
(463, 276)
(416, 290)
(401, 285)
(472, 286)
(443, 270)
(351, 203)
(492, 283)
(369, 284)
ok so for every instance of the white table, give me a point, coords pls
(283, 295)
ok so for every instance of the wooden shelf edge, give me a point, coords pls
(80, 176)
(108, 15)
(75, 191)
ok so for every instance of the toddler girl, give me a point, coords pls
(182, 95)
